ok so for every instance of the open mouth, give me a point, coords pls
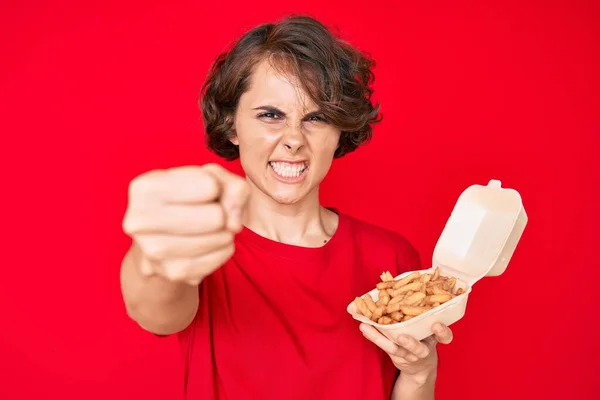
(289, 170)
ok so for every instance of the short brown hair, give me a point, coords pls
(335, 75)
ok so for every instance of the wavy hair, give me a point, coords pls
(337, 77)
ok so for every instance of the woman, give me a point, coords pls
(253, 274)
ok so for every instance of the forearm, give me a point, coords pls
(157, 305)
(415, 388)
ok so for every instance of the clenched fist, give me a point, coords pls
(184, 220)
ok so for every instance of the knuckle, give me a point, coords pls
(241, 187)
(126, 225)
(222, 220)
(210, 179)
(177, 271)
(211, 185)
(229, 238)
(142, 184)
(154, 251)
(224, 255)
(131, 223)
(138, 218)
(139, 191)
(229, 250)
(212, 167)
(217, 217)
(217, 258)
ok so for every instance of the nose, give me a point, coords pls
(293, 140)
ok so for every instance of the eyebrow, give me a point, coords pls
(275, 110)
(270, 109)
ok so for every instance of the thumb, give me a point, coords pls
(234, 195)
(146, 267)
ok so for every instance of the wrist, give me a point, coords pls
(421, 379)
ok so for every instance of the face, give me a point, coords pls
(286, 146)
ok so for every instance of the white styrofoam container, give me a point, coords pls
(478, 240)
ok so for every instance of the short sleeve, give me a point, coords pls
(407, 256)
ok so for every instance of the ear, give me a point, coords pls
(232, 134)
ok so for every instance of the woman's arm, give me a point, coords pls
(156, 304)
(416, 360)
(183, 219)
(409, 387)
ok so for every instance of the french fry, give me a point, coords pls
(401, 300)
(415, 286)
(407, 279)
(384, 298)
(451, 283)
(362, 307)
(369, 302)
(396, 299)
(385, 285)
(413, 310)
(414, 299)
(440, 298)
(396, 316)
(437, 290)
(378, 313)
(392, 308)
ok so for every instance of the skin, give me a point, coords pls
(275, 120)
(183, 220)
(291, 213)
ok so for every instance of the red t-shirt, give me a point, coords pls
(272, 322)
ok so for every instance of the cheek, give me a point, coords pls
(332, 139)
(323, 151)
(256, 144)
(257, 135)
(327, 145)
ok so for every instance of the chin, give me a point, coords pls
(286, 197)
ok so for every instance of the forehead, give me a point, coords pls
(273, 86)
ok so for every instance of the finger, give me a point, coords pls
(430, 341)
(386, 344)
(380, 340)
(413, 346)
(442, 333)
(147, 267)
(177, 220)
(195, 269)
(234, 194)
(182, 185)
(161, 247)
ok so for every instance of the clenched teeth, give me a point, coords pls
(288, 170)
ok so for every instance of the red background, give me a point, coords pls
(92, 95)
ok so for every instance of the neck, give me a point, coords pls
(304, 223)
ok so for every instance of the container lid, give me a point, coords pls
(481, 233)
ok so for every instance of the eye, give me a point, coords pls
(317, 118)
(269, 116)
